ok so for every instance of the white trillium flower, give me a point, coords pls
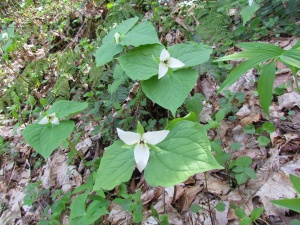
(117, 37)
(167, 62)
(50, 118)
(141, 150)
(250, 2)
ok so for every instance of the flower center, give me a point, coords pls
(50, 118)
(166, 61)
(142, 142)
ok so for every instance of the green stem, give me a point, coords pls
(72, 146)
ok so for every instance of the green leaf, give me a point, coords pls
(122, 28)
(190, 54)
(248, 12)
(221, 157)
(236, 146)
(250, 172)
(249, 129)
(124, 203)
(170, 91)
(190, 117)
(240, 213)
(139, 63)
(265, 86)
(195, 208)
(269, 127)
(245, 221)
(256, 213)
(185, 152)
(64, 108)
(263, 141)
(220, 115)
(78, 206)
(295, 182)
(220, 206)
(243, 68)
(293, 204)
(106, 53)
(109, 48)
(244, 161)
(241, 178)
(295, 222)
(116, 167)
(194, 104)
(164, 220)
(257, 47)
(46, 138)
(291, 57)
(94, 212)
(142, 34)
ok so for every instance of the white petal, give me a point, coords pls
(44, 120)
(128, 137)
(154, 137)
(250, 2)
(141, 156)
(55, 121)
(175, 63)
(117, 37)
(164, 55)
(162, 70)
(52, 114)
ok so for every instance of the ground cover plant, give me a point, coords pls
(149, 112)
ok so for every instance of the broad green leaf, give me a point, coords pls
(195, 208)
(64, 108)
(295, 182)
(220, 115)
(263, 141)
(293, 204)
(265, 86)
(291, 57)
(243, 161)
(295, 222)
(122, 28)
(45, 138)
(106, 53)
(221, 207)
(245, 221)
(139, 63)
(190, 54)
(248, 12)
(243, 68)
(221, 157)
(256, 213)
(250, 172)
(269, 127)
(119, 77)
(194, 104)
(241, 178)
(185, 152)
(109, 48)
(170, 91)
(116, 166)
(78, 206)
(94, 211)
(190, 117)
(240, 213)
(142, 34)
(124, 203)
(249, 129)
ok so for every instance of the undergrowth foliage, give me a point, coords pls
(110, 65)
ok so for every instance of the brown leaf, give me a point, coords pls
(188, 197)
